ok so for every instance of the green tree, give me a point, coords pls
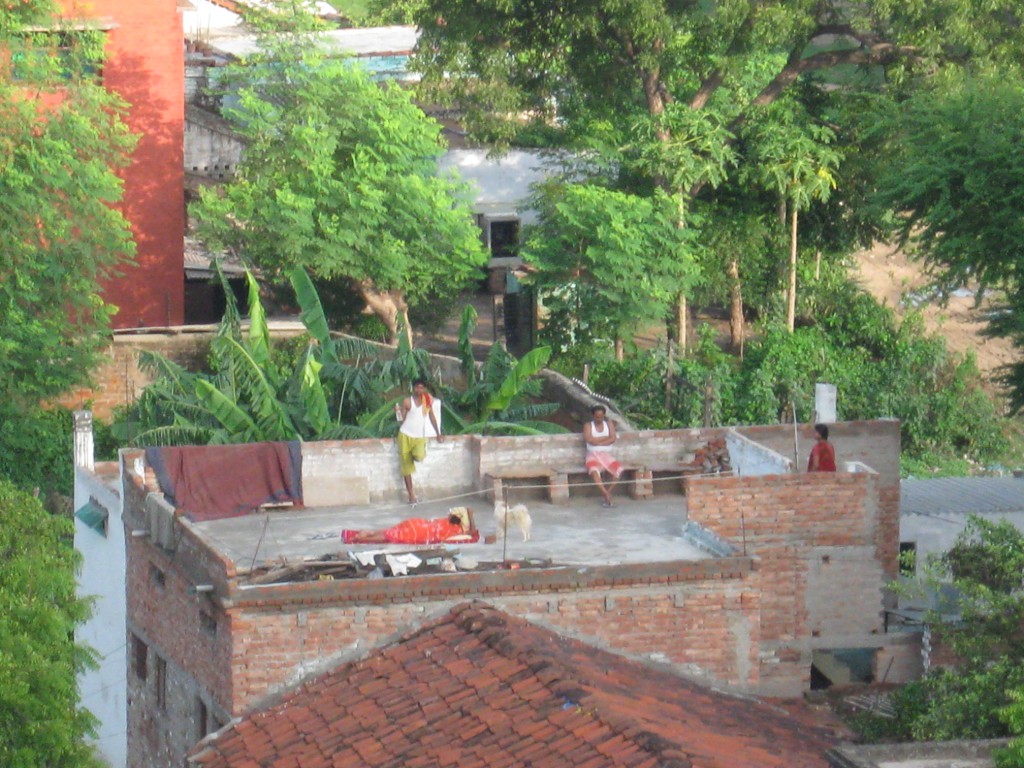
(339, 175)
(956, 181)
(668, 90)
(1013, 716)
(41, 721)
(968, 701)
(61, 140)
(796, 162)
(500, 395)
(601, 66)
(606, 263)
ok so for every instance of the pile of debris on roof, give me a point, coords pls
(377, 564)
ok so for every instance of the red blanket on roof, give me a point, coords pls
(209, 482)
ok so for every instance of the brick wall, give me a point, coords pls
(698, 617)
(187, 633)
(119, 381)
(145, 66)
(701, 628)
(874, 443)
(814, 536)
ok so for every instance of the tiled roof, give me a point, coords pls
(481, 689)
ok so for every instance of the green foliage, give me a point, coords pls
(325, 388)
(976, 698)
(41, 722)
(956, 179)
(989, 554)
(605, 263)
(61, 141)
(791, 156)
(35, 448)
(339, 176)
(386, 12)
(879, 366)
(498, 396)
(1013, 716)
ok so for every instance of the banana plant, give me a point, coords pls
(336, 388)
(498, 397)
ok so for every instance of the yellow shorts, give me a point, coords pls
(410, 450)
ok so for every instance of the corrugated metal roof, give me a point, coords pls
(199, 262)
(961, 495)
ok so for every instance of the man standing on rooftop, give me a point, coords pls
(419, 422)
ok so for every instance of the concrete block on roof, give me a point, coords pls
(341, 491)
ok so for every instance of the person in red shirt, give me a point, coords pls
(823, 455)
(416, 530)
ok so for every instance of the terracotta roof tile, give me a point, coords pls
(481, 689)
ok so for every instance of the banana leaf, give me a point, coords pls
(312, 311)
(226, 411)
(268, 411)
(314, 400)
(259, 333)
(528, 365)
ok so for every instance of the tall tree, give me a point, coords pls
(956, 179)
(600, 65)
(797, 163)
(339, 175)
(41, 721)
(606, 263)
(61, 140)
(668, 86)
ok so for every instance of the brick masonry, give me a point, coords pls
(807, 574)
(119, 381)
(874, 443)
(815, 539)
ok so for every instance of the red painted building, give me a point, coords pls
(145, 65)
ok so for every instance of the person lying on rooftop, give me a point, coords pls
(459, 526)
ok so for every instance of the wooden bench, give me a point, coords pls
(638, 479)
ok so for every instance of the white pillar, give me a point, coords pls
(824, 403)
(84, 454)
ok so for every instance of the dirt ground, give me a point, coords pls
(895, 280)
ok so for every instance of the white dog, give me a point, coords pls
(517, 515)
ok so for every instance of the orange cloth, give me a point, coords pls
(416, 530)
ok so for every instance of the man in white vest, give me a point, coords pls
(419, 422)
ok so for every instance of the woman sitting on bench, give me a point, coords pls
(457, 527)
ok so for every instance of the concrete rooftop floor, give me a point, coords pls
(581, 532)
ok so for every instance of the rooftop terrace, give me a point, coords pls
(576, 534)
